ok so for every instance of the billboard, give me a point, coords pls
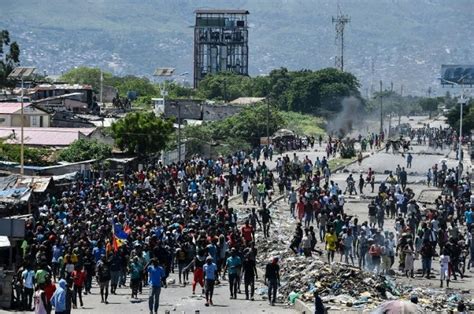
(460, 74)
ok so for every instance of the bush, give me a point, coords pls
(32, 156)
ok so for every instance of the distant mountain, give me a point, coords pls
(404, 41)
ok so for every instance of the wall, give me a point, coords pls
(190, 109)
(5, 120)
(218, 112)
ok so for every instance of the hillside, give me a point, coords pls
(406, 41)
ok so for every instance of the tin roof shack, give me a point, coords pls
(18, 194)
(78, 92)
(33, 116)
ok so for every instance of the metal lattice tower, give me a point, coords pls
(341, 20)
(220, 42)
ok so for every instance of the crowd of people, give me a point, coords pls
(141, 227)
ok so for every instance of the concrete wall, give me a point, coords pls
(5, 120)
(218, 112)
(190, 109)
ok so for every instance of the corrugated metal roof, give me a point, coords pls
(45, 136)
(11, 107)
(221, 11)
(61, 86)
(21, 72)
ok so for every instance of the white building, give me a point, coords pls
(10, 115)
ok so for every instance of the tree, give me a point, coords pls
(429, 104)
(467, 118)
(141, 133)
(86, 75)
(249, 125)
(225, 86)
(32, 156)
(84, 149)
(8, 60)
(141, 85)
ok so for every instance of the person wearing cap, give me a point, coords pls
(210, 276)
(272, 279)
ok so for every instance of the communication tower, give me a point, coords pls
(340, 20)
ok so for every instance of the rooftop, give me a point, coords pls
(44, 136)
(62, 86)
(11, 107)
(221, 11)
(247, 100)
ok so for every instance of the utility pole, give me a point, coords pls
(179, 132)
(340, 20)
(401, 99)
(381, 108)
(391, 109)
(268, 123)
(101, 86)
(22, 73)
(22, 145)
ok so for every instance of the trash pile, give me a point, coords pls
(342, 286)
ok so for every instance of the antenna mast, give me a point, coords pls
(341, 20)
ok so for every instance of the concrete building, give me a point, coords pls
(10, 115)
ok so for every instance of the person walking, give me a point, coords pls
(136, 270)
(266, 220)
(444, 261)
(156, 274)
(233, 265)
(103, 278)
(58, 300)
(79, 278)
(28, 279)
(250, 273)
(210, 276)
(40, 300)
(272, 279)
(409, 160)
(331, 240)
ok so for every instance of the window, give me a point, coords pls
(34, 120)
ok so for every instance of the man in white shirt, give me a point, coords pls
(28, 277)
(245, 191)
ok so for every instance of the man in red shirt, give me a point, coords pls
(79, 277)
(49, 289)
(247, 231)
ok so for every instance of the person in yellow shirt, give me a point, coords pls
(331, 243)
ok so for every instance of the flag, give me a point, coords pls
(117, 243)
(119, 233)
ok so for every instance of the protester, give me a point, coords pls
(156, 274)
(210, 275)
(272, 279)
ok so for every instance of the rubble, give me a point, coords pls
(341, 285)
